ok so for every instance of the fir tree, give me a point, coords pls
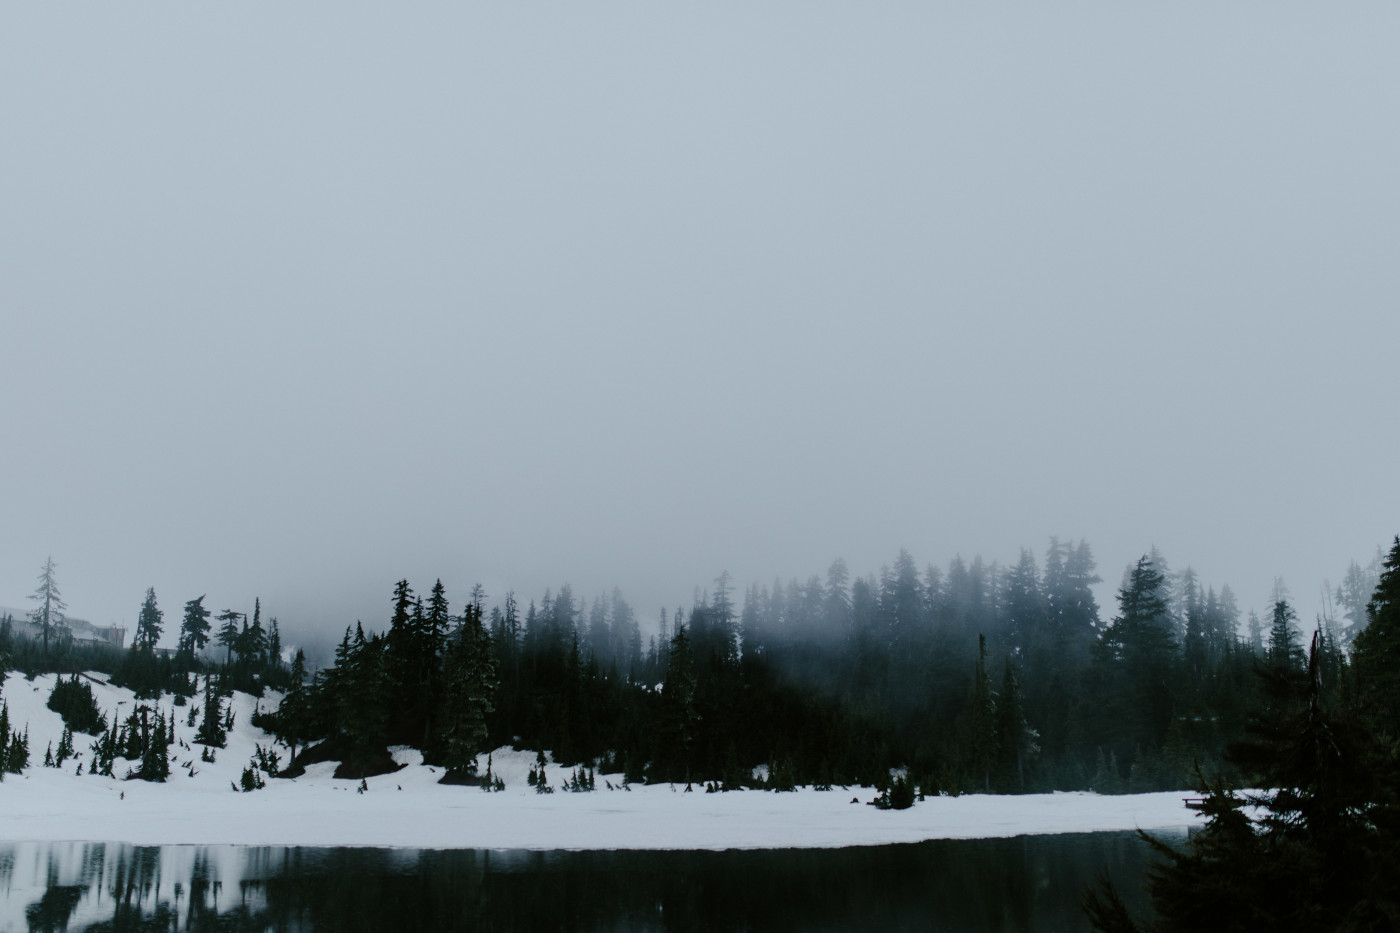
(678, 713)
(7, 643)
(1016, 740)
(981, 722)
(48, 616)
(1135, 661)
(4, 740)
(228, 633)
(148, 623)
(365, 697)
(541, 779)
(105, 752)
(252, 640)
(1353, 594)
(18, 757)
(194, 630)
(211, 727)
(1283, 640)
(1255, 634)
(250, 779)
(469, 675)
(155, 757)
(274, 645)
(293, 720)
(1377, 653)
(423, 663)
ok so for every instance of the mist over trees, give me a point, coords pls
(970, 676)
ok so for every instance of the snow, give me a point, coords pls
(410, 809)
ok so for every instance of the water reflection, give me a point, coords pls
(1025, 883)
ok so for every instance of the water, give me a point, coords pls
(1024, 883)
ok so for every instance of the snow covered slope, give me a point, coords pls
(409, 808)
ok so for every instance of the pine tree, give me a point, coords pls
(837, 606)
(981, 722)
(403, 629)
(1025, 608)
(1354, 593)
(252, 640)
(542, 785)
(1071, 609)
(155, 758)
(294, 714)
(363, 697)
(1196, 647)
(1283, 640)
(1016, 740)
(228, 633)
(49, 613)
(211, 728)
(469, 682)
(7, 643)
(274, 645)
(105, 751)
(625, 645)
(4, 739)
(17, 758)
(194, 630)
(1255, 634)
(1225, 622)
(1135, 658)
(1142, 628)
(1377, 654)
(430, 642)
(148, 623)
(678, 713)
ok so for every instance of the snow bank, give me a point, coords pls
(410, 809)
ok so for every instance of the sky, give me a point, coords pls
(297, 301)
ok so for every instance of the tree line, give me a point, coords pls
(251, 649)
(972, 677)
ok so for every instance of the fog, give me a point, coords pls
(296, 302)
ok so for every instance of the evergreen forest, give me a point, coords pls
(1318, 847)
(974, 677)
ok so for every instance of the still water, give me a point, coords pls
(1025, 883)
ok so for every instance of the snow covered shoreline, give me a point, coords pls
(410, 809)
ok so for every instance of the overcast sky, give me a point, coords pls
(300, 299)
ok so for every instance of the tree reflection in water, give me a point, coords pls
(1023, 883)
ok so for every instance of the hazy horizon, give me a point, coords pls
(299, 302)
(319, 636)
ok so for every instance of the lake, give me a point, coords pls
(1020, 883)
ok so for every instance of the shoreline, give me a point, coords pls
(425, 815)
(408, 809)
